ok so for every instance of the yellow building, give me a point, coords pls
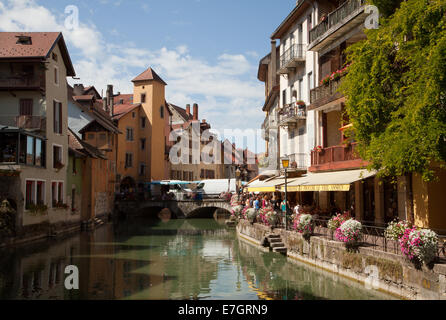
(142, 117)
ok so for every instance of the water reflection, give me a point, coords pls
(175, 259)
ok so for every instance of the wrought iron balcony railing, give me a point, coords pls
(292, 57)
(324, 91)
(345, 10)
(292, 112)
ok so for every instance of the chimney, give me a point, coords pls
(272, 79)
(195, 112)
(188, 109)
(110, 102)
(78, 89)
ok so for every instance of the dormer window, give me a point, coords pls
(26, 40)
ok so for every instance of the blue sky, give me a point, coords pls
(206, 50)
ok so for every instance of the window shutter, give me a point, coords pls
(26, 107)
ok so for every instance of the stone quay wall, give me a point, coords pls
(376, 269)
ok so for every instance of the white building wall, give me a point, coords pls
(300, 82)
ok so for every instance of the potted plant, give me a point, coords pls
(304, 224)
(236, 212)
(271, 217)
(336, 221)
(318, 149)
(419, 245)
(300, 103)
(350, 232)
(251, 215)
(395, 230)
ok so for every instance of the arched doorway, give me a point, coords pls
(127, 187)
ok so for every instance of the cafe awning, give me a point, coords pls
(328, 181)
(269, 185)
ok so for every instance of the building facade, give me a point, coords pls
(33, 118)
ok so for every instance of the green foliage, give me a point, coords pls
(386, 7)
(396, 90)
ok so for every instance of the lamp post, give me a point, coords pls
(237, 175)
(285, 165)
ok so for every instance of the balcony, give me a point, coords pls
(325, 93)
(298, 161)
(345, 19)
(32, 123)
(291, 58)
(22, 83)
(336, 158)
(292, 113)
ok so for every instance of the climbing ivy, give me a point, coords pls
(396, 90)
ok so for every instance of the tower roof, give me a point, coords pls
(149, 74)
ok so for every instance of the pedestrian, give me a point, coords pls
(257, 204)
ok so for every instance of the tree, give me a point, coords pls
(396, 90)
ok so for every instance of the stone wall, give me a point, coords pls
(376, 269)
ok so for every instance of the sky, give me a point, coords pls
(207, 51)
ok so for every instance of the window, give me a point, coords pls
(143, 122)
(128, 160)
(102, 137)
(74, 171)
(143, 144)
(26, 40)
(133, 115)
(56, 193)
(90, 136)
(40, 192)
(30, 151)
(57, 117)
(30, 192)
(129, 134)
(40, 153)
(26, 107)
(162, 112)
(35, 193)
(73, 198)
(54, 56)
(283, 98)
(143, 98)
(57, 157)
(301, 83)
(142, 169)
(56, 76)
(60, 192)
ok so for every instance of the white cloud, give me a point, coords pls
(226, 89)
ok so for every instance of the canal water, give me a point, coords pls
(176, 259)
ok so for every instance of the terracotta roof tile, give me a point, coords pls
(123, 109)
(127, 99)
(149, 74)
(41, 45)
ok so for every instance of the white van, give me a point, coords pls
(213, 188)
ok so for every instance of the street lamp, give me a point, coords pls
(237, 175)
(285, 165)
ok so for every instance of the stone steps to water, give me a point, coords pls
(282, 250)
(276, 244)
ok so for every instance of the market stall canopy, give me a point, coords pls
(328, 181)
(269, 185)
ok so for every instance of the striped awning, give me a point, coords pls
(328, 181)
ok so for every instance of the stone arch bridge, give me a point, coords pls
(181, 209)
